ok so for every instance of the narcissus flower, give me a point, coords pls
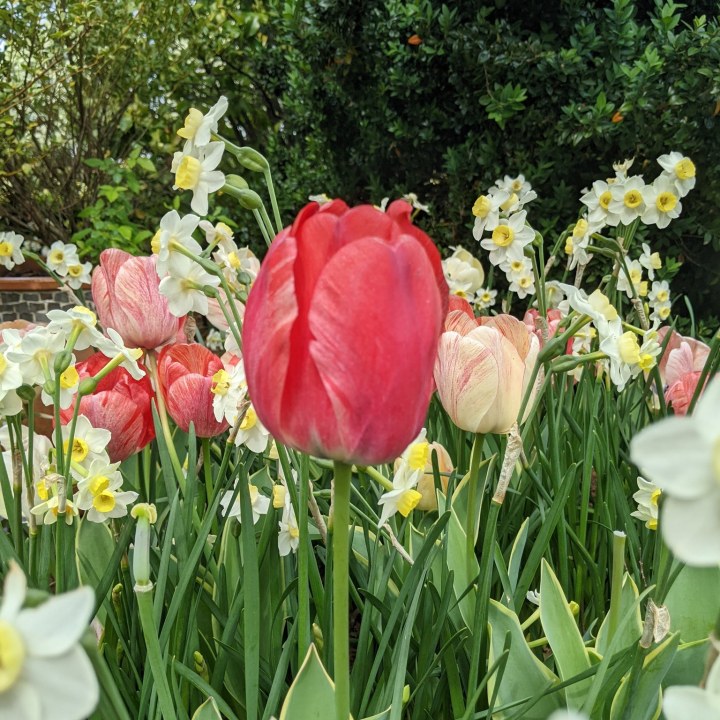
(259, 503)
(681, 455)
(126, 293)
(680, 170)
(44, 673)
(195, 169)
(662, 202)
(10, 252)
(198, 128)
(185, 372)
(341, 331)
(647, 498)
(482, 371)
(508, 238)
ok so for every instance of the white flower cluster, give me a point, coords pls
(500, 214)
(10, 252)
(62, 258)
(195, 166)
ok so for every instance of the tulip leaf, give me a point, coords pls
(312, 693)
(516, 554)
(645, 699)
(524, 676)
(632, 630)
(94, 548)
(694, 602)
(208, 711)
(457, 562)
(384, 715)
(563, 636)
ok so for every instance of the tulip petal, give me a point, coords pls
(458, 321)
(362, 327)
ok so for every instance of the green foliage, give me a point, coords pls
(391, 96)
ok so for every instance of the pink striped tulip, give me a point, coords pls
(482, 370)
(125, 293)
(341, 330)
(185, 374)
(681, 366)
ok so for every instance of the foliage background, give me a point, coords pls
(343, 99)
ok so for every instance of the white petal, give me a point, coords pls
(691, 528)
(13, 593)
(69, 687)
(675, 457)
(682, 702)
(707, 412)
(199, 202)
(52, 628)
(21, 702)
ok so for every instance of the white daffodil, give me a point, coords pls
(681, 702)
(509, 237)
(597, 306)
(44, 673)
(218, 234)
(183, 288)
(11, 377)
(78, 274)
(403, 498)
(681, 455)
(323, 198)
(259, 502)
(113, 345)
(80, 321)
(175, 232)
(412, 198)
(68, 382)
(35, 354)
(627, 199)
(485, 298)
(519, 273)
(198, 128)
(662, 202)
(463, 272)
(195, 170)
(597, 200)
(628, 358)
(518, 185)
(523, 285)
(631, 282)
(647, 498)
(680, 170)
(577, 242)
(10, 252)
(229, 388)
(98, 493)
(650, 260)
(289, 532)
(88, 443)
(659, 293)
(60, 255)
(236, 262)
(50, 510)
(582, 340)
(553, 294)
(214, 340)
(252, 433)
(487, 210)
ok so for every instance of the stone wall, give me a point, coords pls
(32, 305)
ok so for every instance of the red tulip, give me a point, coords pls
(341, 330)
(185, 374)
(120, 404)
(125, 293)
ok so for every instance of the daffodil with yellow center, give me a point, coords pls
(503, 235)
(279, 493)
(407, 501)
(6, 249)
(604, 200)
(509, 203)
(629, 348)
(482, 206)
(187, 175)
(104, 501)
(56, 257)
(193, 120)
(666, 201)
(581, 228)
(220, 383)
(602, 305)
(80, 449)
(250, 419)
(69, 378)
(633, 199)
(418, 455)
(685, 169)
(12, 655)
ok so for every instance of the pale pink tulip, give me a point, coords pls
(482, 370)
(680, 368)
(125, 293)
(532, 320)
(698, 349)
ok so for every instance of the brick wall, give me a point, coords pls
(32, 305)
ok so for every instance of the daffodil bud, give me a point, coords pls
(200, 665)
(26, 393)
(236, 181)
(87, 386)
(146, 515)
(62, 362)
(252, 159)
(278, 496)
(210, 291)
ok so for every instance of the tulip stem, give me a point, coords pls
(472, 513)
(341, 610)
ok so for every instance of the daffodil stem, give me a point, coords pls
(268, 223)
(273, 202)
(341, 579)
(303, 563)
(263, 229)
(618, 567)
(472, 512)
(144, 596)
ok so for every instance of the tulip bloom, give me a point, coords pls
(185, 374)
(680, 367)
(125, 293)
(119, 404)
(341, 330)
(482, 370)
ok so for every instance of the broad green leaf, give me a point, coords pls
(632, 630)
(456, 560)
(563, 636)
(208, 711)
(94, 546)
(384, 715)
(646, 698)
(694, 602)
(688, 666)
(524, 676)
(312, 693)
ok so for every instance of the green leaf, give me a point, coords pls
(457, 562)
(94, 547)
(563, 635)
(208, 711)
(312, 693)
(694, 602)
(384, 715)
(645, 699)
(631, 631)
(525, 676)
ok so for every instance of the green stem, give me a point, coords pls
(618, 567)
(472, 513)
(266, 220)
(303, 563)
(273, 200)
(144, 596)
(341, 580)
(261, 225)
